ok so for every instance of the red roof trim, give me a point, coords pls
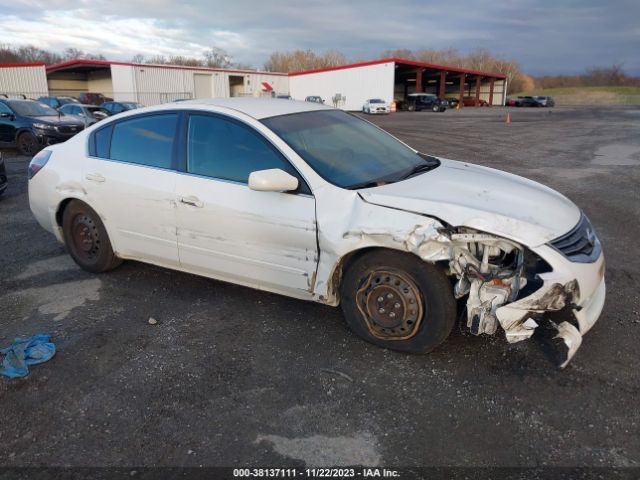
(14, 65)
(107, 63)
(402, 61)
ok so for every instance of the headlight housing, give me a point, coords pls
(44, 126)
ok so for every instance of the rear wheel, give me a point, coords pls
(397, 301)
(28, 144)
(87, 239)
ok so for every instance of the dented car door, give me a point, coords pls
(226, 230)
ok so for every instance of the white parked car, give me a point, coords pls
(315, 203)
(376, 105)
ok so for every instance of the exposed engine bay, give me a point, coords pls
(491, 271)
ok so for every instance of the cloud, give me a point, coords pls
(545, 36)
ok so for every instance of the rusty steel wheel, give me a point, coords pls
(391, 305)
(87, 239)
(395, 300)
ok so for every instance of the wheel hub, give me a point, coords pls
(391, 305)
(85, 236)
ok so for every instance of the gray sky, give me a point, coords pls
(545, 36)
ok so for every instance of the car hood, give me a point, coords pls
(62, 120)
(486, 199)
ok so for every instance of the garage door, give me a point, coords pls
(203, 85)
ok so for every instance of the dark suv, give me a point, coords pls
(31, 126)
(425, 101)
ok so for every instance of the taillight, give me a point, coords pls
(37, 162)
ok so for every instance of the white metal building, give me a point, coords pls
(28, 79)
(155, 84)
(349, 86)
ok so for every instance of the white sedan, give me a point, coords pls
(315, 203)
(376, 106)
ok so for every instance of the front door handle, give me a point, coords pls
(193, 201)
(95, 177)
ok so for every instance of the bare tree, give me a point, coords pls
(217, 58)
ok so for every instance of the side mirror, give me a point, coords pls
(272, 180)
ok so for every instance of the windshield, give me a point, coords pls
(376, 100)
(346, 150)
(27, 108)
(64, 101)
(131, 105)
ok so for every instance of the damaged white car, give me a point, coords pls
(315, 203)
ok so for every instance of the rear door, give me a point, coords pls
(130, 181)
(226, 230)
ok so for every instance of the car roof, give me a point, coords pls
(257, 108)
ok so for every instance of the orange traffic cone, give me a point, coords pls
(508, 118)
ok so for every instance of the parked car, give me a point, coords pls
(527, 101)
(284, 97)
(89, 98)
(29, 125)
(119, 107)
(424, 101)
(314, 203)
(375, 106)
(513, 101)
(453, 101)
(4, 183)
(89, 114)
(473, 101)
(57, 102)
(545, 101)
(314, 98)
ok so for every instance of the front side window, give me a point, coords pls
(221, 148)
(344, 149)
(145, 140)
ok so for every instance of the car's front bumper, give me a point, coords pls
(570, 300)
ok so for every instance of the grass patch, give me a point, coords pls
(590, 95)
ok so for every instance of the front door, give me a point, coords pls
(7, 124)
(265, 240)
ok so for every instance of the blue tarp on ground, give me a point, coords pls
(24, 352)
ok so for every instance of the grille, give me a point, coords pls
(580, 244)
(69, 129)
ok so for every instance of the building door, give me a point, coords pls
(203, 85)
(236, 85)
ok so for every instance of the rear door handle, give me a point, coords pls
(95, 177)
(193, 201)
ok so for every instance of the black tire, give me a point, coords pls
(87, 239)
(28, 144)
(411, 108)
(374, 276)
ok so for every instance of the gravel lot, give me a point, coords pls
(236, 377)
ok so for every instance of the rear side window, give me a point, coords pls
(144, 140)
(102, 142)
(225, 149)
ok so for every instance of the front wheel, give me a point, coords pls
(397, 301)
(86, 238)
(28, 144)
(435, 108)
